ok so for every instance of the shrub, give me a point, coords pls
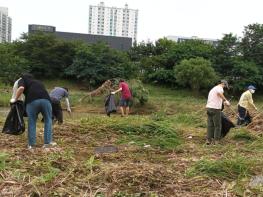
(139, 93)
(195, 72)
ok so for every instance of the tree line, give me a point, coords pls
(190, 64)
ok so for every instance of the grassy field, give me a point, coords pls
(161, 152)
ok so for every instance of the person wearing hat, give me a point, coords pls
(244, 105)
(213, 106)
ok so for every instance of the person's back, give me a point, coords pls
(58, 93)
(34, 89)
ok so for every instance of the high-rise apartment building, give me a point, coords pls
(112, 21)
(5, 25)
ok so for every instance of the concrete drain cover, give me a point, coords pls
(106, 149)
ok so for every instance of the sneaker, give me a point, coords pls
(30, 147)
(50, 145)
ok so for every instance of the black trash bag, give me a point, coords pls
(110, 106)
(227, 124)
(14, 124)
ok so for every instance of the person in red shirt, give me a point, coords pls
(125, 97)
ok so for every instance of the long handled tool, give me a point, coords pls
(232, 110)
(259, 112)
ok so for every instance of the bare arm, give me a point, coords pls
(222, 96)
(19, 92)
(120, 89)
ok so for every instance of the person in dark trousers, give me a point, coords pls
(214, 105)
(56, 95)
(244, 105)
(125, 97)
(37, 101)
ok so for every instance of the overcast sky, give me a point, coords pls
(157, 18)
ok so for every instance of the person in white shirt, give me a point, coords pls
(213, 106)
(15, 87)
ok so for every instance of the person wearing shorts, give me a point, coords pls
(125, 97)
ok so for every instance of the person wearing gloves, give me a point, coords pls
(56, 95)
(213, 106)
(245, 103)
(14, 123)
(37, 101)
(125, 97)
(15, 87)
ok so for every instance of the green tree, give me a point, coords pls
(243, 74)
(11, 65)
(47, 56)
(196, 73)
(163, 45)
(252, 43)
(225, 54)
(189, 49)
(141, 50)
(96, 63)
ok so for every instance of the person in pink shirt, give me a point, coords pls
(125, 97)
(213, 106)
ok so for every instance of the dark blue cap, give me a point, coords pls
(251, 87)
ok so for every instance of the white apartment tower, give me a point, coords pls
(5, 25)
(112, 21)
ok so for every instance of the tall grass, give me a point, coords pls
(154, 133)
(226, 168)
(244, 135)
(3, 158)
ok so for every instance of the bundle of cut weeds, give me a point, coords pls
(257, 124)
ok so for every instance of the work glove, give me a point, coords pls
(69, 110)
(12, 100)
(112, 92)
(227, 103)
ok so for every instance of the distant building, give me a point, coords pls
(112, 21)
(120, 43)
(5, 25)
(179, 39)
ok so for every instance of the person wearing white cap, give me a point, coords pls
(245, 104)
(213, 106)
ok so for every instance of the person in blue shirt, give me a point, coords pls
(56, 95)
